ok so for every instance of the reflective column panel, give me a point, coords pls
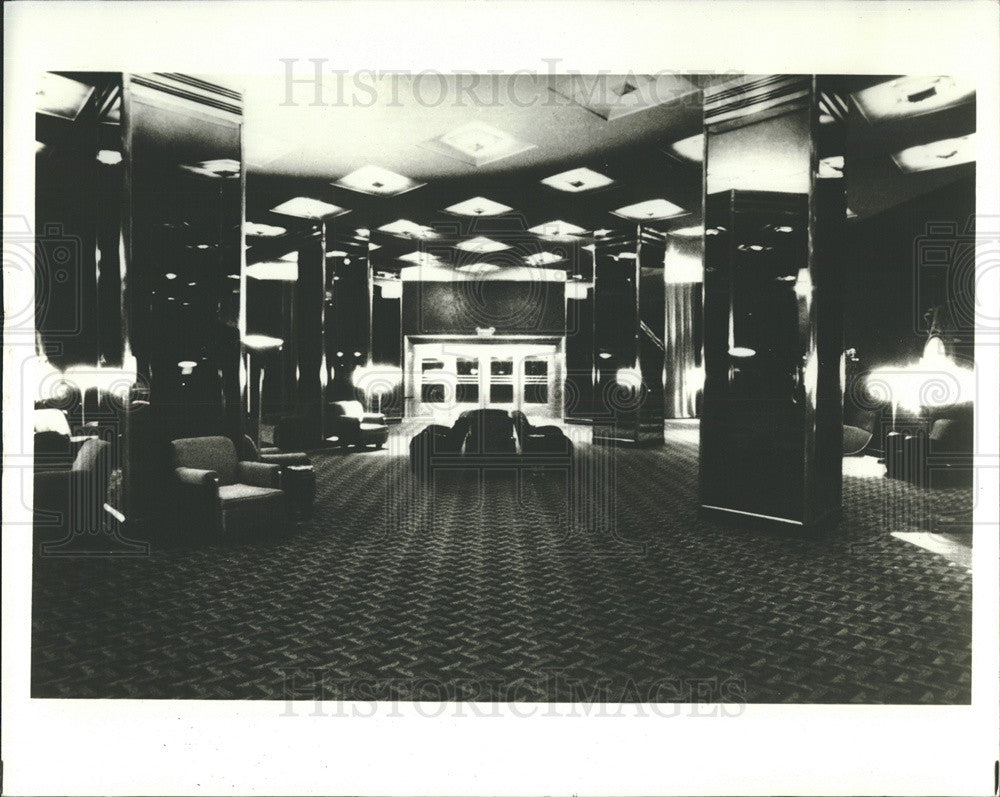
(771, 420)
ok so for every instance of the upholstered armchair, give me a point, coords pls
(540, 439)
(298, 479)
(53, 444)
(73, 499)
(231, 497)
(355, 427)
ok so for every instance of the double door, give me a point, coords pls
(447, 378)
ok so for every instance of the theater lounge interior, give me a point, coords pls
(509, 387)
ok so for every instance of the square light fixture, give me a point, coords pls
(257, 230)
(614, 96)
(912, 96)
(304, 207)
(277, 270)
(376, 181)
(61, 96)
(577, 180)
(937, 155)
(650, 210)
(477, 143)
(478, 206)
(409, 229)
(224, 168)
(557, 230)
(543, 258)
(691, 149)
(482, 245)
(422, 259)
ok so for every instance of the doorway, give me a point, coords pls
(448, 377)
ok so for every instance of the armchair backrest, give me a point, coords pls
(51, 420)
(94, 460)
(489, 431)
(207, 453)
(347, 409)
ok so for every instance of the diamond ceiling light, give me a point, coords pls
(614, 96)
(481, 244)
(912, 96)
(258, 230)
(304, 207)
(576, 180)
(408, 229)
(376, 181)
(477, 143)
(422, 259)
(937, 155)
(543, 258)
(61, 96)
(650, 210)
(557, 230)
(691, 148)
(478, 206)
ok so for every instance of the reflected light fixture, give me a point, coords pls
(478, 206)
(937, 155)
(690, 149)
(257, 230)
(304, 207)
(422, 259)
(688, 232)
(481, 245)
(279, 270)
(576, 180)
(376, 181)
(109, 157)
(742, 352)
(543, 258)
(478, 268)
(831, 168)
(225, 168)
(58, 95)
(650, 210)
(261, 343)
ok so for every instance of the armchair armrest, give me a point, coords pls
(259, 474)
(373, 417)
(285, 458)
(196, 477)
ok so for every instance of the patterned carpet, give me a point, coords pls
(493, 588)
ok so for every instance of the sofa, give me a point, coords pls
(490, 439)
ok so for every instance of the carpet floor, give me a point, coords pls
(495, 587)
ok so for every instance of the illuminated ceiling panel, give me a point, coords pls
(304, 207)
(482, 245)
(614, 96)
(690, 149)
(912, 96)
(577, 180)
(557, 230)
(650, 210)
(478, 206)
(404, 228)
(61, 96)
(477, 144)
(376, 181)
(937, 155)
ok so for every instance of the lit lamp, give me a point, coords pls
(377, 380)
(259, 345)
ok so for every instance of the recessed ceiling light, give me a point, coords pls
(912, 96)
(109, 157)
(225, 168)
(614, 96)
(557, 230)
(478, 206)
(688, 232)
(422, 259)
(279, 270)
(61, 96)
(543, 258)
(376, 181)
(304, 207)
(477, 143)
(478, 268)
(576, 180)
(409, 229)
(482, 245)
(937, 155)
(257, 230)
(690, 149)
(651, 209)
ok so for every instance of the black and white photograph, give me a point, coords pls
(583, 395)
